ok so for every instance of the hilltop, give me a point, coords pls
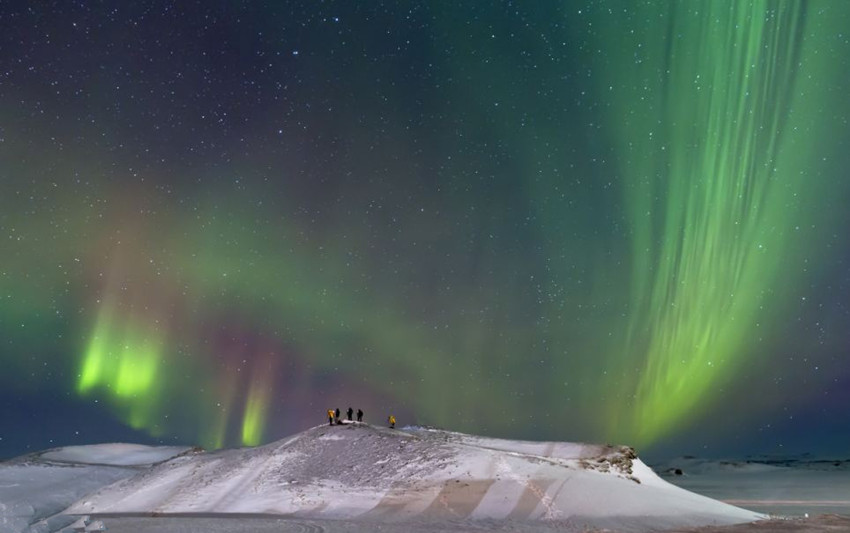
(373, 474)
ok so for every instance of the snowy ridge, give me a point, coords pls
(361, 472)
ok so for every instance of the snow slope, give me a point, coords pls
(371, 474)
(36, 488)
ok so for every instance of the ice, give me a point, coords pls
(779, 486)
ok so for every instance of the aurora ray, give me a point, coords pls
(712, 102)
(616, 220)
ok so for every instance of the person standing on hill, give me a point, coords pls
(330, 417)
(359, 415)
(337, 416)
(349, 413)
(391, 420)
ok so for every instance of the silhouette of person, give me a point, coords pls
(359, 415)
(330, 417)
(337, 415)
(349, 413)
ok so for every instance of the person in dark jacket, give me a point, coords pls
(338, 421)
(359, 415)
(349, 413)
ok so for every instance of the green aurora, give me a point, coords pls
(610, 222)
(716, 152)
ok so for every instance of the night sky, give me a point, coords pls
(615, 221)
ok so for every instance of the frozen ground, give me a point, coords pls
(817, 524)
(36, 488)
(821, 524)
(792, 487)
(355, 477)
(342, 477)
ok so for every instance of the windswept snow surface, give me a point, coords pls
(369, 474)
(114, 454)
(782, 486)
(36, 488)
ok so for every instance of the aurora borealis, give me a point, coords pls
(612, 221)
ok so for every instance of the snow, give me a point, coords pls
(788, 487)
(36, 488)
(115, 454)
(372, 474)
(355, 477)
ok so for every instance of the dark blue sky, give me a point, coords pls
(594, 221)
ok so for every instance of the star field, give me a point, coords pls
(597, 221)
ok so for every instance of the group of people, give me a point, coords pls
(334, 417)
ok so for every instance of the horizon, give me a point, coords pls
(650, 459)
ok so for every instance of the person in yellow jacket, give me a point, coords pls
(391, 420)
(330, 417)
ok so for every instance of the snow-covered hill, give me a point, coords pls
(372, 474)
(36, 488)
